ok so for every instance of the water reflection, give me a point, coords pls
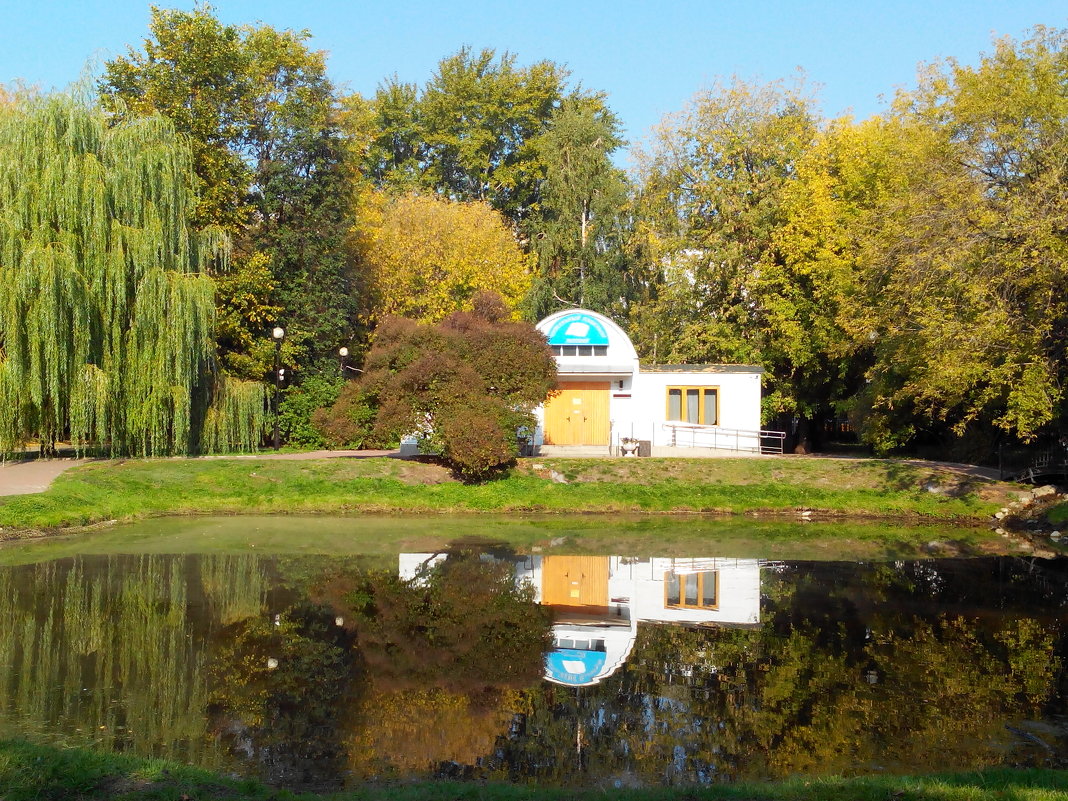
(598, 601)
(315, 672)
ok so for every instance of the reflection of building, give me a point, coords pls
(599, 600)
(604, 395)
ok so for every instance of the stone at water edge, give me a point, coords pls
(1045, 491)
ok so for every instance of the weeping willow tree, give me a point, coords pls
(106, 315)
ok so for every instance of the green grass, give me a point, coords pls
(36, 772)
(1058, 515)
(133, 489)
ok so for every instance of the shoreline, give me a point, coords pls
(40, 771)
(924, 496)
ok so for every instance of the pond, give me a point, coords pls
(542, 662)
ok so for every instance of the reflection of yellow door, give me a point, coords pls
(579, 583)
(576, 413)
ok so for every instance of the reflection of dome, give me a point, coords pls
(569, 666)
(583, 654)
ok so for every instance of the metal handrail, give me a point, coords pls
(760, 441)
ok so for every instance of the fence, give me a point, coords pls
(691, 435)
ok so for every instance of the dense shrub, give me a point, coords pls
(300, 402)
(464, 386)
(349, 422)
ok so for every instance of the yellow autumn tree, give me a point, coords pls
(427, 257)
(416, 729)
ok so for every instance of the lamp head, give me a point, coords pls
(343, 352)
(278, 332)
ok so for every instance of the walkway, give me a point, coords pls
(34, 475)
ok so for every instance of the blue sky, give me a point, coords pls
(650, 57)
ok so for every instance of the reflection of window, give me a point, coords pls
(692, 590)
(698, 405)
(580, 350)
(580, 645)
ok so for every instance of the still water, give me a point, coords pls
(478, 662)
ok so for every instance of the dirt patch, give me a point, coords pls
(424, 473)
(118, 786)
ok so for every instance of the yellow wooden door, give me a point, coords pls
(579, 583)
(576, 413)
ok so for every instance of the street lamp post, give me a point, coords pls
(278, 334)
(343, 353)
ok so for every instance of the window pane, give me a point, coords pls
(708, 589)
(568, 350)
(692, 398)
(585, 350)
(691, 589)
(674, 404)
(710, 408)
(672, 589)
(556, 349)
(600, 350)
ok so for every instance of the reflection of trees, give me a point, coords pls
(848, 672)
(108, 650)
(278, 693)
(410, 731)
(853, 667)
(462, 624)
(444, 653)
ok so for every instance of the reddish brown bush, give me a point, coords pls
(464, 386)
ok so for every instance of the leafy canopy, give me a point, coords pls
(427, 257)
(106, 315)
(466, 386)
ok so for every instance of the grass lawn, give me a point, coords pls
(132, 489)
(1058, 515)
(36, 772)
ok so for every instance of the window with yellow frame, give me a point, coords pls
(692, 590)
(698, 405)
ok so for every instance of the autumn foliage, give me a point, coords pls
(427, 257)
(466, 386)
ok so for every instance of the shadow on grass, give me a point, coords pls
(904, 477)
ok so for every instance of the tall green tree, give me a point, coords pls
(269, 160)
(579, 232)
(468, 133)
(106, 315)
(718, 186)
(966, 251)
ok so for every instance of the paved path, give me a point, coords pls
(35, 475)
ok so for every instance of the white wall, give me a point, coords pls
(642, 415)
(642, 581)
(739, 402)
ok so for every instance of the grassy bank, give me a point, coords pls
(133, 489)
(36, 772)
